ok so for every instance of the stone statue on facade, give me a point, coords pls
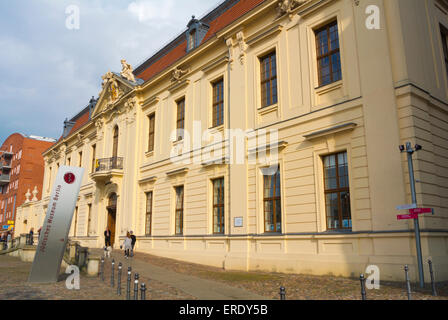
(28, 196)
(178, 73)
(35, 192)
(127, 71)
(287, 6)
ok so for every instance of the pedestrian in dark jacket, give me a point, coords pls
(133, 241)
(31, 240)
(107, 236)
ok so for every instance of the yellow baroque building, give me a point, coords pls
(330, 89)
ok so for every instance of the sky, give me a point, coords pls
(49, 72)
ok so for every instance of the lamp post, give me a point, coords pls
(410, 151)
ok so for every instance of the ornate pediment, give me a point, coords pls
(114, 88)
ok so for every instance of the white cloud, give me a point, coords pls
(146, 10)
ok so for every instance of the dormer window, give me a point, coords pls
(192, 40)
(196, 31)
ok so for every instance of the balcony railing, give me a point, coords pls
(4, 179)
(109, 164)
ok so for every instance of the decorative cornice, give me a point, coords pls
(280, 145)
(177, 172)
(150, 102)
(148, 180)
(215, 63)
(178, 85)
(332, 130)
(263, 34)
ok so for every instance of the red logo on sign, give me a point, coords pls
(69, 178)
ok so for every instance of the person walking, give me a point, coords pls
(8, 240)
(133, 241)
(107, 236)
(31, 237)
(127, 245)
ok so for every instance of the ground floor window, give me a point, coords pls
(179, 227)
(272, 203)
(148, 224)
(337, 192)
(218, 206)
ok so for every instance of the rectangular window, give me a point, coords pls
(328, 55)
(218, 206)
(148, 227)
(180, 119)
(93, 158)
(179, 228)
(337, 193)
(152, 123)
(89, 218)
(76, 222)
(444, 33)
(80, 159)
(272, 203)
(268, 68)
(218, 103)
(69, 161)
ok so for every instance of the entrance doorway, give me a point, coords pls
(111, 216)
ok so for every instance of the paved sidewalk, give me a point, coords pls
(199, 288)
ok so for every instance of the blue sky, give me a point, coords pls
(49, 73)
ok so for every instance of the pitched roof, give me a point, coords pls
(217, 19)
(177, 48)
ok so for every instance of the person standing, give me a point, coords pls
(133, 241)
(31, 237)
(107, 236)
(127, 244)
(8, 240)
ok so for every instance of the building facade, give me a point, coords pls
(266, 137)
(22, 173)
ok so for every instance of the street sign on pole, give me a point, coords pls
(420, 210)
(407, 216)
(407, 207)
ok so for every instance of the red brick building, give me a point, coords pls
(21, 169)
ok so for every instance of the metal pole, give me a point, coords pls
(112, 280)
(433, 283)
(282, 293)
(128, 288)
(408, 282)
(143, 291)
(136, 286)
(102, 268)
(363, 287)
(120, 267)
(410, 152)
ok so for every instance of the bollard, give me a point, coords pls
(363, 287)
(128, 288)
(120, 267)
(282, 293)
(408, 282)
(102, 268)
(433, 283)
(143, 291)
(112, 280)
(136, 286)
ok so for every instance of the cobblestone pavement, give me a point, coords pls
(298, 287)
(14, 285)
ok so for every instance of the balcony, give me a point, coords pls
(107, 169)
(4, 179)
(6, 154)
(5, 165)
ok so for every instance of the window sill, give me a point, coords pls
(149, 154)
(216, 129)
(268, 109)
(329, 87)
(178, 142)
